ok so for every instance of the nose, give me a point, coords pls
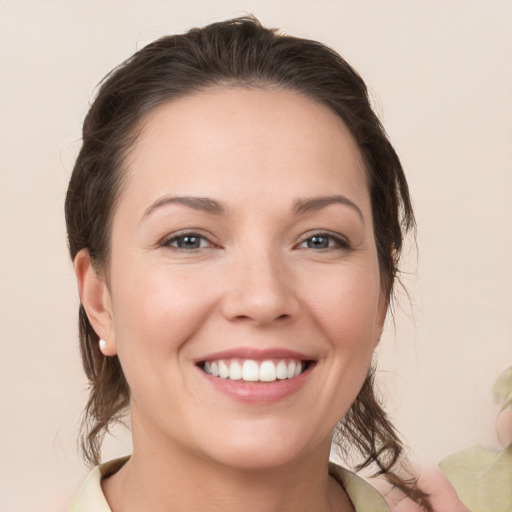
(260, 289)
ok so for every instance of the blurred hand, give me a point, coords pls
(442, 495)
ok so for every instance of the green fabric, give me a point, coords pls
(362, 495)
(482, 478)
(503, 389)
(90, 497)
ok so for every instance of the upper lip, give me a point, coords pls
(256, 354)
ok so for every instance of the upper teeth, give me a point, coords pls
(253, 371)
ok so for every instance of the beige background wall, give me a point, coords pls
(442, 76)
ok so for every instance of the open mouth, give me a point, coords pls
(250, 370)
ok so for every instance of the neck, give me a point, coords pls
(170, 480)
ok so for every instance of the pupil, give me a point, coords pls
(318, 242)
(190, 242)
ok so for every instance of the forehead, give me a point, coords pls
(240, 140)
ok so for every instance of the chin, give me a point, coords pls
(263, 448)
(255, 459)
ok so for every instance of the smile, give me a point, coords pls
(250, 370)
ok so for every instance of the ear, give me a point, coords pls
(96, 300)
(380, 318)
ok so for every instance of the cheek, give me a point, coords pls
(346, 305)
(347, 313)
(156, 312)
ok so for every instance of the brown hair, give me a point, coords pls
(234, 52)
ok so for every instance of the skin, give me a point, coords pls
(256, 280)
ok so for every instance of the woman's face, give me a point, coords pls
(243, 244)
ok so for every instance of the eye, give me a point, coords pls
(324, 241)
(187, 242)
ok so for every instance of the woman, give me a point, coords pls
(235, 217)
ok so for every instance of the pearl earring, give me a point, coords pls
(102, 344)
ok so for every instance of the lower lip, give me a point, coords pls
(258, 392)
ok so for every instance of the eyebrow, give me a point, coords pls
(317, 203)
(197, 203)
(211, 206)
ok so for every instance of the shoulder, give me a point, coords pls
(363, 496)
(90, 496)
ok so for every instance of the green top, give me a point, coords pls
(90, 497)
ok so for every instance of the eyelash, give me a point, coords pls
(338, 241)
(334, 242)
(175, 238)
